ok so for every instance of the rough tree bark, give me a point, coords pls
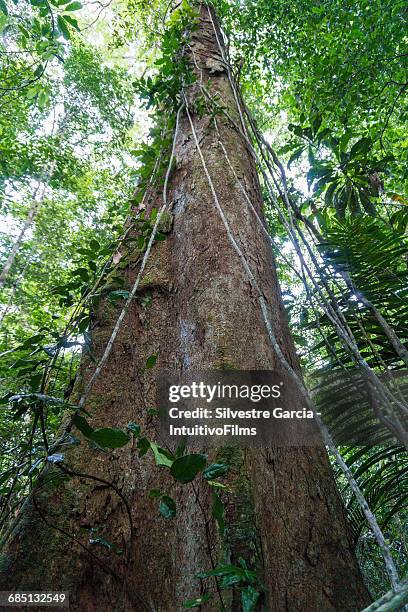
(284, 514)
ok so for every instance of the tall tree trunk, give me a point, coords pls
(31, 215)
(283, 513)
(37, 201)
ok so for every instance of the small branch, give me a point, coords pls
(392, 601)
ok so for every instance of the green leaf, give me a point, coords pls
(110, 545)
(249, 598)
(72, 21)
(215, 470)
(154, 493)
(167, 507)
(241, 573)
(296, 129)
(39, 70)
(118, 294)
(3, 21)
(33, 341)
(82, 273)
(319, 171)
(5, 476)
(73, 6)
(110, 437)
(295, 155)
(328, 196)
(63, 28)
(221, 570)
(151, 361)
(94, 245)
(197, 602)
(217, 485)
(3, 7)
(23, 31)
(5, 399)
(360, 147)
(344, 140)
(42, 99)
(143, 446)
(161, 455)
(82, 424)
(134, 428)
(317, 122)
(146, 301)
(228, 580)
(32, 92)
(186, 468)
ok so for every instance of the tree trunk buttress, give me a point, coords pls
(284, 515)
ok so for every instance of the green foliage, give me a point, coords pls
(110, 437)
(215, 470)
(167, 507)
(345, 61)
(344, 177)
(336, 69)
(373, 253)
(134, 429)
(246, 581)
(68, 154)
(36, 29)
(151, 361)
(99, 540)
(172, 70)
(185, 468)
(196, 602)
